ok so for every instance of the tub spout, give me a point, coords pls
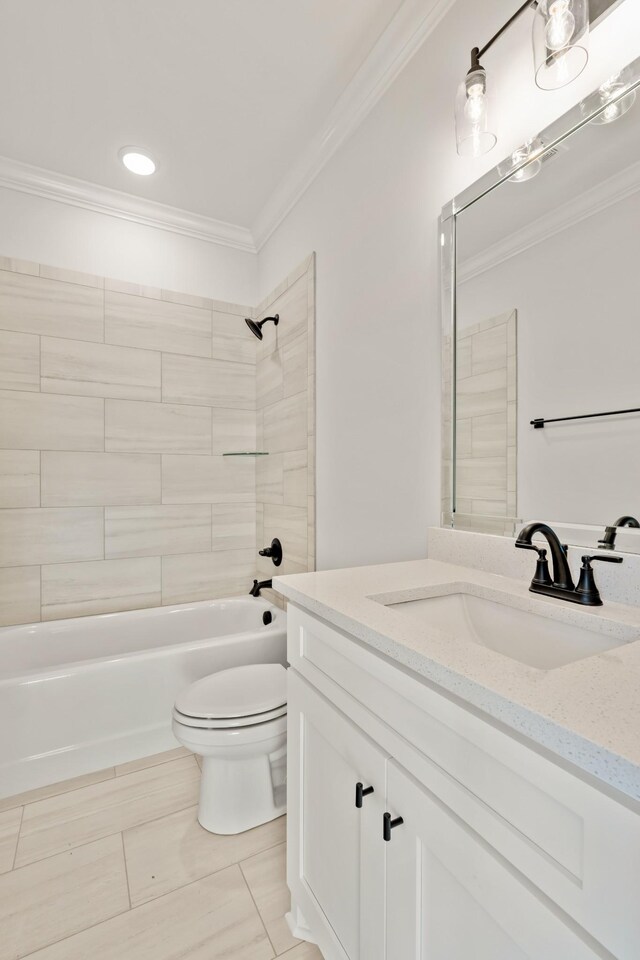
(258, 586)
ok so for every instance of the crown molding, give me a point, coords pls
(589, 203)
(405, 34)
(407, 31)
(90, 196)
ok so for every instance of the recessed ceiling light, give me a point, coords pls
(137, 161)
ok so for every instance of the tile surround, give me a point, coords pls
(193, 479)
(150, 531)
(486, 401)
(50, 308)
(210, 383)
(117, 403)
(20, 595)
(156, 427)
(103, 586)
(139, 321)
(53, 535)
(121, 867)
(87, 479)
(19, 478)
(99, 370)
(203, 576)
(42, 421)
(19, 361)
(285, 407)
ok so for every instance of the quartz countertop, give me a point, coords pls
(586, 713)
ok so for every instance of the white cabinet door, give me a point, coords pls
(335, 858)
(450, 897)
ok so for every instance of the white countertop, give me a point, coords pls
(587, 712)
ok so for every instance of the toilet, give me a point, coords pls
(236, 720)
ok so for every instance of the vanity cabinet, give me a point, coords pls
(340, 871)
(449, 897)
(496, 853)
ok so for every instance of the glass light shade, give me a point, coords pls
(529, 154)
(473, 134)
(615, 102)
(560, 41)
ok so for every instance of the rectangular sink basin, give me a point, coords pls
(538, 641)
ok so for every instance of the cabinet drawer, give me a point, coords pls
(575, 843)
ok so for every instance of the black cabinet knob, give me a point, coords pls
(362, 791)
(388, 825)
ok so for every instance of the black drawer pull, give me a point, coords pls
(362, 791)
(388, 824)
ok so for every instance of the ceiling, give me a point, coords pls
(225, 94)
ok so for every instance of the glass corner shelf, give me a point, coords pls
(247, 453)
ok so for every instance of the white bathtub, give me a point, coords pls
(80, 695)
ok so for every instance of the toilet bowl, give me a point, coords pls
(236, 720)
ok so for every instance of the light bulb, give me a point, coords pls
(612, 112)
(617, 103)
(475, 106)
(560, 25)
(137, 161)
(528, 151)
(473, 136)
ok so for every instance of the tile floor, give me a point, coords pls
(115, 865)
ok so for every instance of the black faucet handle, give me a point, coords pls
(587, 591)
(541, 551)
(588, 559)
(542, 576)
(274, 550)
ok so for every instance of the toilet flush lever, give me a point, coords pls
(274, 551)
(362, 791)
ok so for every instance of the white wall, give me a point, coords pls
(372, 216)
(44, 231)
(578, 346)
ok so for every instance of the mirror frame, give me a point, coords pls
(558, 131)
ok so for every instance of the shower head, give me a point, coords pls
(256, 328)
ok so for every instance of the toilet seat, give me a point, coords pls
(238, 697)
(228, 739)
(221, 723)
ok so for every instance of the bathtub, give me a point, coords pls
(80, 695)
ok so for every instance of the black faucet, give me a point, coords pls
(608, 542)
(561, 585)
(257, 587)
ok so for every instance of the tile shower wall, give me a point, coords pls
(117, 403)
(285, 392)
(486, 435)
(486, 402)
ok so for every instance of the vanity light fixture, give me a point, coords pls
(473, 133)
(531, 153)
(560, 49)
(560, 41)
(616, 105)
(137, 161)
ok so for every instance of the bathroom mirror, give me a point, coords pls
(541, 294)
